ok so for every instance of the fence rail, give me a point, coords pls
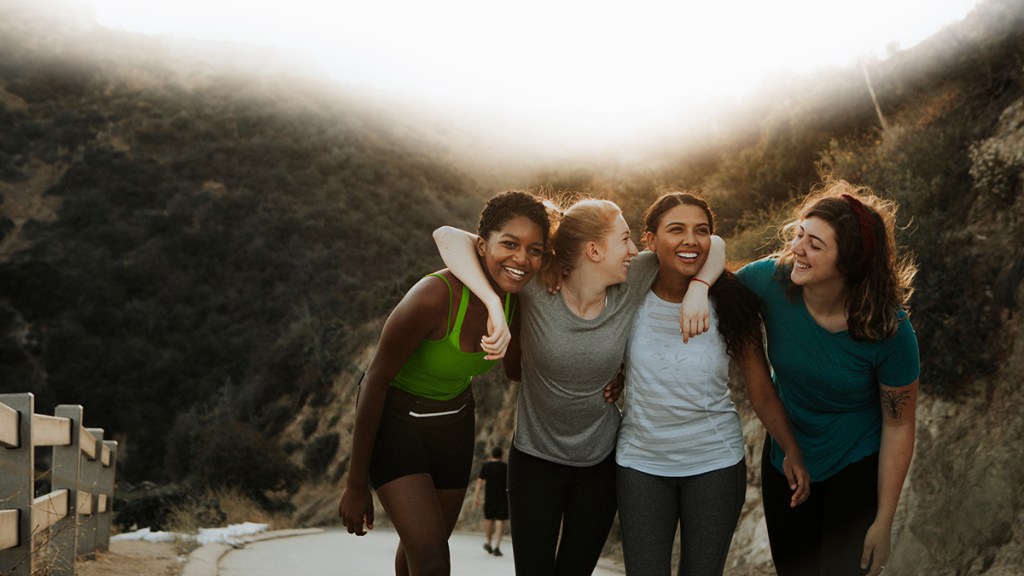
(74, 517)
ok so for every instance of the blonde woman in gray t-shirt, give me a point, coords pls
(569, 344)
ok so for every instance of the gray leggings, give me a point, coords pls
(706, 507)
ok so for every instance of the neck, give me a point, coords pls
(827, 300)
(585, 298)
(671, 287)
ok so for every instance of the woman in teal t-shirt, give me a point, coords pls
(845, 363)
(414, 426)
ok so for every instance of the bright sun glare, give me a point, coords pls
(572, 62)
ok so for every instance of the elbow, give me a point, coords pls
(441, 233)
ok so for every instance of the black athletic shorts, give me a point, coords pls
(418, 435)
(496, 508)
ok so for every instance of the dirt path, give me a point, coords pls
(132, 558)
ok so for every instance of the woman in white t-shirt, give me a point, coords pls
(680, 451)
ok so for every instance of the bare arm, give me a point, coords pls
(695, 314)
(899, 414)
(772, 413)
(416, 317)
(458, 250)
(513, 360)
(476, 492)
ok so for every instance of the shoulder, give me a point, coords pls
(429, 299)
(436, 288)
(760, 275)
(764, 267)
(643, 268)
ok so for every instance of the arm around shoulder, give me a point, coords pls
(458, 249)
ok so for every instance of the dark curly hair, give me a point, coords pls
(507, 205)
(738, 308)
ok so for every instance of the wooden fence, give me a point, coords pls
(44, 534)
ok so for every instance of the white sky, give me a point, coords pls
(570, 63)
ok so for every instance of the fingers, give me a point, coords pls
(695, 326)
(496, 341)
(799, 481)
(495, 344)
(866, 560)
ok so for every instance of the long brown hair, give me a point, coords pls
(737, 307)
(880, 278)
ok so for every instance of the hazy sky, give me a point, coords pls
(607, 66)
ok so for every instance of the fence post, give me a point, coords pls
(106, 488)
(17, 490)
(90, 482)
(66, 470)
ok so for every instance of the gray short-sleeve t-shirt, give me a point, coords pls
(562, 414)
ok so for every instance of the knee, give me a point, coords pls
(433, 563)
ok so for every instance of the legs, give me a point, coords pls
(424, 517)
(824, 536)
(709, 508)
(488, 531)
(535, 508)
(500, 524)
(705, 507)
(649, 514)
(590, 506)
(547, 498)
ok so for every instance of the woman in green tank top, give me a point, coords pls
(413, 434)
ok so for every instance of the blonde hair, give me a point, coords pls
(586, 220)
(880, 279)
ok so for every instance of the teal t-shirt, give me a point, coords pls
(828, 382)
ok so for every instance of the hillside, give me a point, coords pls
(199, 244)
(178, 230)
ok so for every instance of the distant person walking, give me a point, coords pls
(846, 366)
(413, 434)
(494, 478)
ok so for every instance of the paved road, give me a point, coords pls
(336, 553)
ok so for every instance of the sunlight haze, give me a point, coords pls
(596, 70)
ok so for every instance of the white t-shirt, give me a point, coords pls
(679, 419)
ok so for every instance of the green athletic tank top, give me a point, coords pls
(439, 369)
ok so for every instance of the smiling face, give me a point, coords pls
(512, 254)
(619, 250)
(815, 254)
(682, 240)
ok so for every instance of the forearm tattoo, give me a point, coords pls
(893, 402)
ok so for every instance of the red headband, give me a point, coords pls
(867, 238)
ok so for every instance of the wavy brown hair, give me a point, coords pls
(738, 308)
(879, 277)
(585, 220)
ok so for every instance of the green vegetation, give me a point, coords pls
(217, 247)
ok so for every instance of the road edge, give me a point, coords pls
(205, 560)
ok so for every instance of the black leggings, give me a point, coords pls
(824, 535)
(704, 508)
(545, 497)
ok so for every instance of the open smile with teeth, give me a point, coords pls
(800, 265)
(687, 255)
(515, 272)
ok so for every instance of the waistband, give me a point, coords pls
(420, 407)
